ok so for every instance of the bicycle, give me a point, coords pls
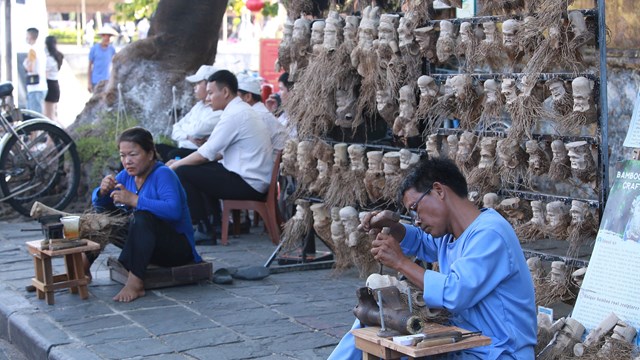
(38, 159)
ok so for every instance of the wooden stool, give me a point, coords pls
(159, 277)
(46, 282)
(376, 347)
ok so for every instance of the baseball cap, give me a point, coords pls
(249, 84)
(202, 74)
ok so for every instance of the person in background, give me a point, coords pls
(484, 281)
(54, 63)
(250, 92)
(160, 229)
(35, 66)
(237, 159)
(275, 101)
(196, 126)
(100, 57)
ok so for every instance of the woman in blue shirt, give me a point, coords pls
(160, 230)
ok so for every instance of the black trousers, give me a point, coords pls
(152, 241)
(215, 182)
(168, 152)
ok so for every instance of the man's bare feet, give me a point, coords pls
(133, 289)
(86, 266)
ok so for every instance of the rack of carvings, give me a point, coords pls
(414, 90)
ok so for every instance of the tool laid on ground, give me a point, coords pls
(448, 337)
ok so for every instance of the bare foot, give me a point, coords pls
(86, 267)
(133, 289)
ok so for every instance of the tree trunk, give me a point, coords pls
(183, 36)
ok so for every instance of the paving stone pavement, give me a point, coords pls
(290, 315)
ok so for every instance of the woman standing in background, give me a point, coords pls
(54, 62)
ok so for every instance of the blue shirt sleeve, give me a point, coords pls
(477, 271)
(161, 196)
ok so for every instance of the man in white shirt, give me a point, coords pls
(236, 161)
(249, 92)
(35, 66)
(195, 127)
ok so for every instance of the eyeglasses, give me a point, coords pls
(413, 209)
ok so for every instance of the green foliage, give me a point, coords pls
(270, 9)
(66, 36)
(236, 6)
(135, 9)
(96, 144)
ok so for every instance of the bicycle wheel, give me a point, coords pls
(41, 164)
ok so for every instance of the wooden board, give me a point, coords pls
(159, 277)
(369, 342)
(36, 246)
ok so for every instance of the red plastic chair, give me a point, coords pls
(267, 209)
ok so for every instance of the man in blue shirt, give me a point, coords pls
(100, 57)
(484, 281)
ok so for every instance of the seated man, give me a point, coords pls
(484, 281)
(195, 127)
(249, 92)
(275, 101)
(236, 161)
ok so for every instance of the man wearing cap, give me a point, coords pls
(100, 57)
(236, 161)
(249, 92)
(195, 127)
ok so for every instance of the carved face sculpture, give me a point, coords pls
(445, 44)
(461, 85)
(427, 86)
(391, 161)
(407, 159)
(582, 91)
(356, 157)
(368, 29)
(491, 91)
(537, 209)
(509, 90)
(424, 38)
(301, 209)
(555, 213)
(509, 30)
(317, 33)
(489, 29)
(349, 218)
(487, 152)
(384, 101)
(351, 31)
(577, 23)
(407, 102)
(433, 146)
(559, 151)
(578, 211)
(537, 164)
(448, 87)
(556, 87)
(490, 200)
(578, 152)
(465, 146)
(374, 160)
(301, 31)
(345, 104)
(323, 169)
(304, 154)
(466, 32)
(387, 35)
(332, 31)
(405, 36)
(452, 142)
(510, 153)
(340, 157)
(321, 216)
